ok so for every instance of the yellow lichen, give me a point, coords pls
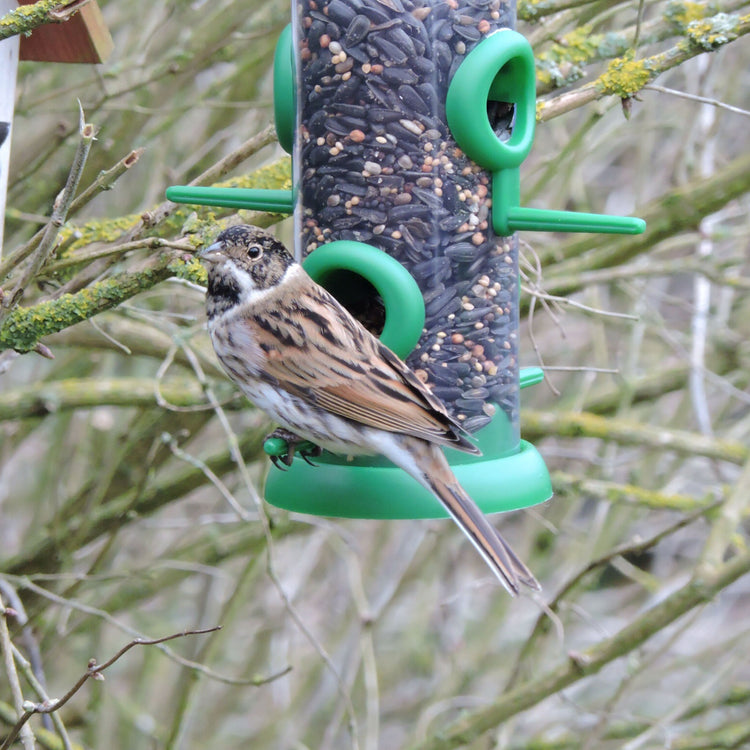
(579, 45)
(189, 269)
(710, 33)
(683, 12)
(624, 77)
(25, 18)
(25, 326)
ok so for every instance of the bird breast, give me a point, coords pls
(237, 347)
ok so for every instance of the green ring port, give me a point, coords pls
(402, 297)
(500, 68)
(284, 90)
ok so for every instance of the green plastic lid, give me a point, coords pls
(375, 488)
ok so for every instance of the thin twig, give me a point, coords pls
(147, 243)
(696, 98)
(57, 219)
(94, 671)
(633, 548)
(28, 638)
(540, 294)
(728, 521)
(652, 67)
(270, 570)
(23, 582)
(9, 664)
(699, 590)
(151, 218)
(177, 452)
(104, 181)
(41, 691)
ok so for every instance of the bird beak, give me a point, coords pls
(213, 253)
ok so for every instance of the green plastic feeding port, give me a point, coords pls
(284, 89)
(501, 69)
(341, 265)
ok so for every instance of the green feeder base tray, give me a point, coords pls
(375, 488)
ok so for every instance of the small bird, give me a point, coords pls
(302, 358)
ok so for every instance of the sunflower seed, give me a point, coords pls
(357, 30)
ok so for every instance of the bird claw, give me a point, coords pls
(277, 461)
(295, 445)
(314, 451)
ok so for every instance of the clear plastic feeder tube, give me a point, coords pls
(376, 162)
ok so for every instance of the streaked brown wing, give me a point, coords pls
(332, 361)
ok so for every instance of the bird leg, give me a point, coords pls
(293, 445)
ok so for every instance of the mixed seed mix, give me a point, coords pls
(379, 165)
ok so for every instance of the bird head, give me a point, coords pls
(242, 263)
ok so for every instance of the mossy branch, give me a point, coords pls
(86, 393)
(728, 737)
(581, 424)
(625, 76)
(564, 61)
(26, 326)
(26, 18)
(630, 494)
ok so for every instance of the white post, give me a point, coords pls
(8, 68)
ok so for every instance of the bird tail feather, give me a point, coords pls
(498, 554)
(433, 472)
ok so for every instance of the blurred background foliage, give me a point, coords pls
(125, 510)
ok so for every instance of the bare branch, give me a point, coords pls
(57, 219)
(25, 19)
(94, 671)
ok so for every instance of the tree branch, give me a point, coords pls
(57, 219)
(699, 590)
(86, 393)
(25, 326)
(26, 18)
(105, 181)
(94, 671)
(6, 649)
(43, 553)
(625, 77)
(625, 432)
(681, 210)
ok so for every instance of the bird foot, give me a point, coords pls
(282, 445)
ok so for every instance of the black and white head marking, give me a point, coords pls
(243, 264)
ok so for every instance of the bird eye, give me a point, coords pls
(254, 252)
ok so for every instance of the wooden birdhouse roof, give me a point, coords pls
(83, 38)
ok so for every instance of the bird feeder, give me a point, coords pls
(408, 122)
